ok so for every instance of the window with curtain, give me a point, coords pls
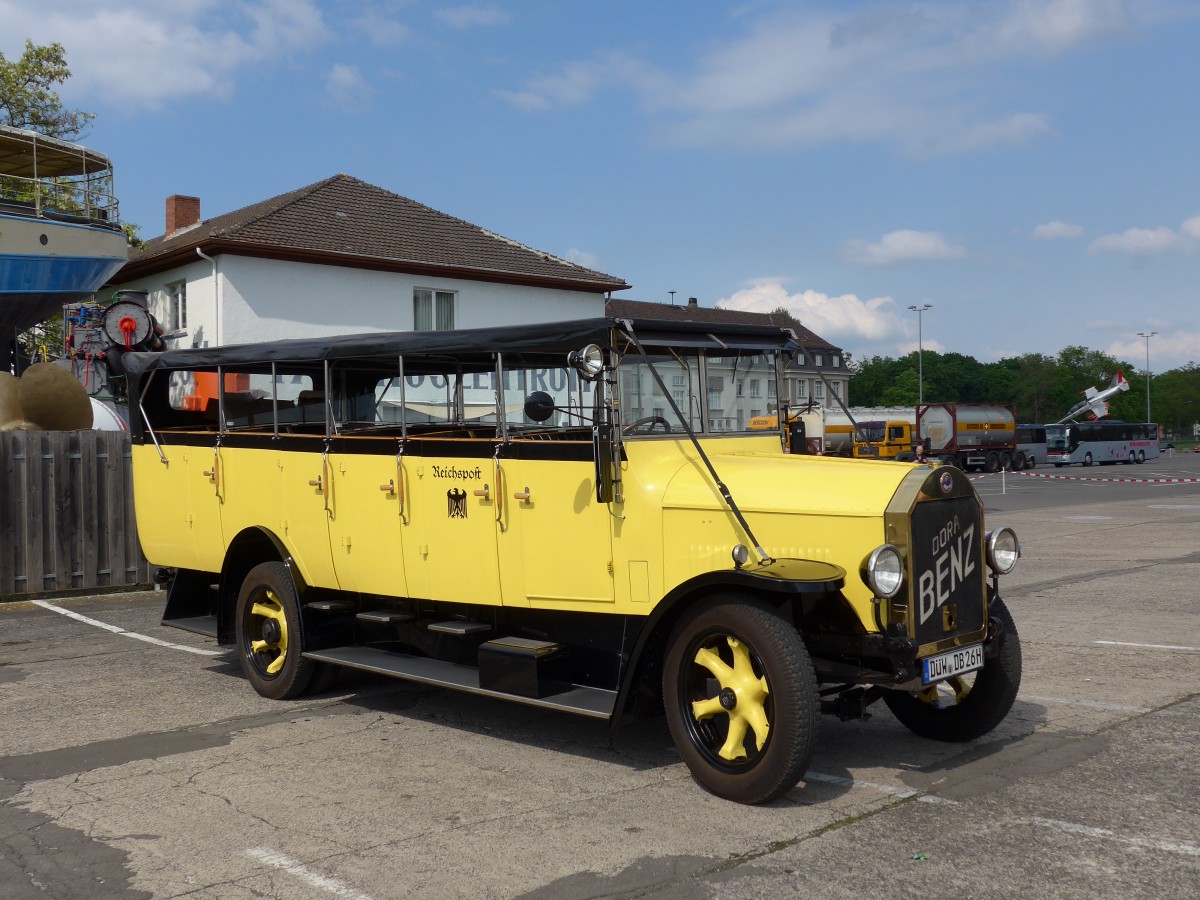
(433, 310)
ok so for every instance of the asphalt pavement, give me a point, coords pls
(136, 762)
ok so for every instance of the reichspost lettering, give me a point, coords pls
(455, 472)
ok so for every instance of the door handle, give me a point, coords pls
(485, 492)
(523, 496)
(389, 488)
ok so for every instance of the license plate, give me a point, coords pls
(953, 662)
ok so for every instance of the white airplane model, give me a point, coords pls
(1094, 402)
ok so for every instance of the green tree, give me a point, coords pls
(27, 96)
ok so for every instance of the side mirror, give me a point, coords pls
(539, 406)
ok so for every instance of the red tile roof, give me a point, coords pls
(345, 221)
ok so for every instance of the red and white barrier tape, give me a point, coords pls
(1089, 478)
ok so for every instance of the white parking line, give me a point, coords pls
(294, 867)
(1180, 847)
(1147, 646)
(117, 629)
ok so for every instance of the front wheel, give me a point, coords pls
(741, 699)
(268, 633)
(991, 462)
(964, 707)
(1087, 459)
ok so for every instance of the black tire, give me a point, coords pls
(1006, 461)
(950, 461)
(1087, 459)
(1018, 462)
(268, 633)
(1141, 457)
(987, 700)
(763, 669)
(1031, 462)
(991, 462)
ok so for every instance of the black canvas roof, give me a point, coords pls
(462, 345)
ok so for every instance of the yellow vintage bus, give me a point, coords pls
(576, 516)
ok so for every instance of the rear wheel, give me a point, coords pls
(991, 462)
(1141, 457)
(741, 699)
(1006, 461)
(1018, 461)
(268, 633)
(965, 707)
(949, 461)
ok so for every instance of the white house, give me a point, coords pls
(343, 256)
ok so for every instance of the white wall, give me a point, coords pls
(264, 299)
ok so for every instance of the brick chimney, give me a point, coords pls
(182, 211)
(692, 302)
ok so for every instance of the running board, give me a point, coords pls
(205, 625)
(595, 703)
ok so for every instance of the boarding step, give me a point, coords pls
(205, 625)
(330, 606)
(385, 616)
(585, 701)
(459, 627)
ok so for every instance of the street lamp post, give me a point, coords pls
(1147, 335)
(919, 310)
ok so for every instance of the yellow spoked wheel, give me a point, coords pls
(734, 708)
(951, 692)
(268, 620)
(268, 633)
(965, 707)
(741, 699)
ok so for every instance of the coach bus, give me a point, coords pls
(546, 514)
(1104, 443)
(1031, 447)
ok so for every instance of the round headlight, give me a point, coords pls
(1003, 550)
(884, 571)
(589, 361)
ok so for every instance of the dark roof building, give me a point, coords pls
(343, 221)
(822, 362)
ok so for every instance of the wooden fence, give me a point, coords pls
(66, 513)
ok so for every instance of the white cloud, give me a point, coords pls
(919, 76)
(1191, 227)
(1139, 241)
(1056, 25)
(381, 28)
(475, 15)
(833, 318)
(1169, 349)
(902, 246)
(582, 258)
(146, 53)
(1057, 230)
(346, 86)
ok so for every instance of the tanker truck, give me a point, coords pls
(969, 435)
(831, 432)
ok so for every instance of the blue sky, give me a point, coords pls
(1026, 167)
